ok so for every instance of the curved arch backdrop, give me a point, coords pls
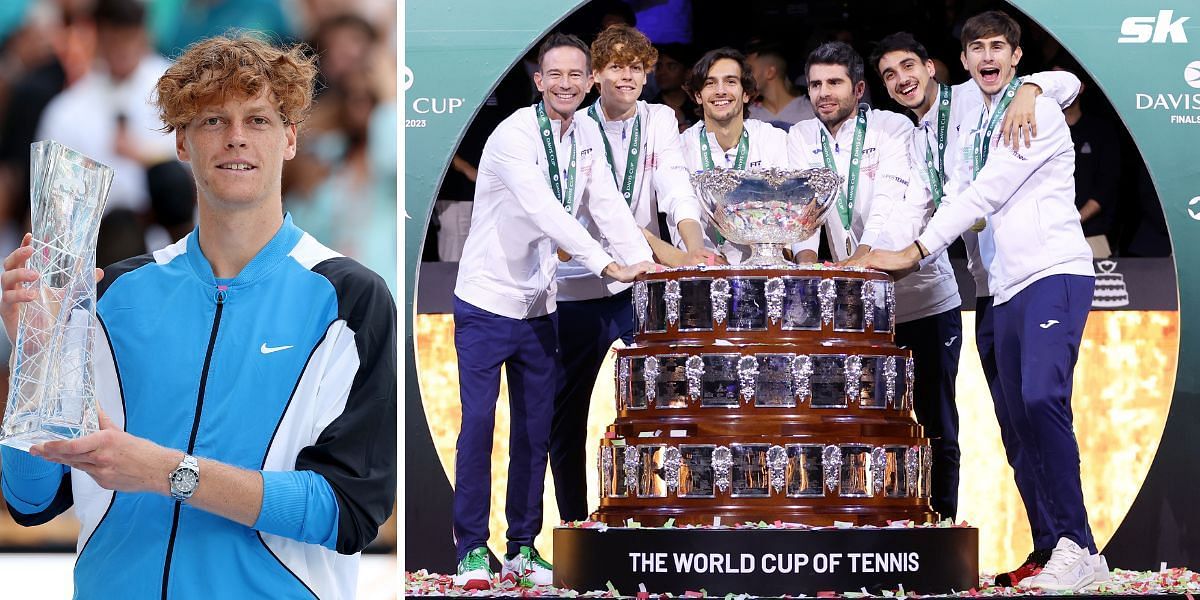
(456, 54)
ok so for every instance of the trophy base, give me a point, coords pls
(23, 438)
(768, 561)
(767, 255)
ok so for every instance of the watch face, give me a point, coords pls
(184, 480)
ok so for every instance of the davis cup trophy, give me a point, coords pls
(765, 391)
(768, 209)
(52, 389)
(759, 401)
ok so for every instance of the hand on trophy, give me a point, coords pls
(858, 259)
(704, 256)
(695, 254)
(626, 273)
(805, 257)
(117, 460)
(669, 255)
(898, 264)
(13, 281)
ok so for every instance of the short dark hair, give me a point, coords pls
(767, 49)
(563, 40)
(991, 23)
(119, 13)
(901, 41)
(695, 79)
(837, 53)
(773, 54)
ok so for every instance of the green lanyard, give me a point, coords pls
(739, 161)
(635, 142)
(983, 143)
(846, 198)
(937, 172)
(568, 201)
(743, 151)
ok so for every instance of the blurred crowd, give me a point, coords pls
(81, 72)
(1119, 208)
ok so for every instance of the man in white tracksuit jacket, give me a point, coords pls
(1040, 272)
(539, 169)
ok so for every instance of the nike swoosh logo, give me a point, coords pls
(1048, 324)
(951, 341)
(265, 349)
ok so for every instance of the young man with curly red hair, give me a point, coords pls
(246, 375)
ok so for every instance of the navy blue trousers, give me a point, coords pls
(1033, 342)
(586, 331)
(1023, 473)
(936, 342)
(526, 348)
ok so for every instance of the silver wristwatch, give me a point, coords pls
(184, 478)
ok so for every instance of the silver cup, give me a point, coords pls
(767, 209)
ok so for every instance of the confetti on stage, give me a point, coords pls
(1179, 581)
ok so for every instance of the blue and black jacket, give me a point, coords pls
(288, 369)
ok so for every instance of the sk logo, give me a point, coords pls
(1164, 28)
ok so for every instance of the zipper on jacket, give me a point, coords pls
(212, 341)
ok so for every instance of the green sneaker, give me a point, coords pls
(527, 568)
(474, 571)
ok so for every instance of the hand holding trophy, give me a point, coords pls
(50, 289)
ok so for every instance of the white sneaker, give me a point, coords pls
(527, 568)
(474, 571)
(1070, 568)
(1100, 568)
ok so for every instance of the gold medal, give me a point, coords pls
(563, 256)
(979, 225)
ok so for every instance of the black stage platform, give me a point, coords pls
(768, 561)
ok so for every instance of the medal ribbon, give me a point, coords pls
(937, 172)
(846, 197)
(743, 150)
(739, 161)
(567, 200)
(983, 143)
(635, 142)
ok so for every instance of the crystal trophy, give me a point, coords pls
(52, 389)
